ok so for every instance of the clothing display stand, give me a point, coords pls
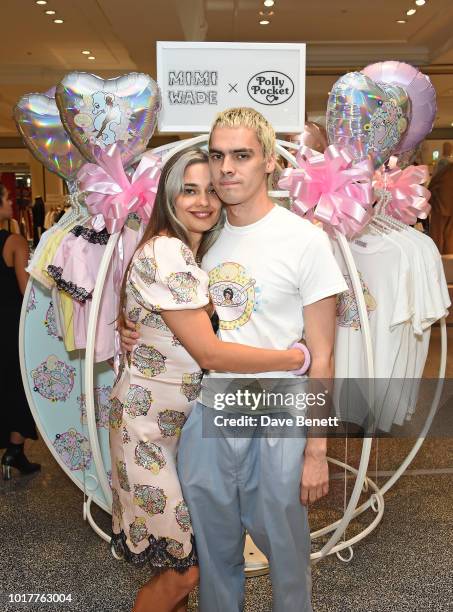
(95, 481)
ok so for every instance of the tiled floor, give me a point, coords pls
(405, 565)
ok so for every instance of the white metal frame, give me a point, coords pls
(362, 482)
(338, 528)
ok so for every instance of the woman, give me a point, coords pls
(160, 379)
(17, 420)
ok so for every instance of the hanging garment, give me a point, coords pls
(405, 292)
(74, 269)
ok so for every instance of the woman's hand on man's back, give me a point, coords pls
(129, 336)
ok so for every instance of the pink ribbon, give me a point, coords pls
(331, 188)
(408, 199)
(112, 194)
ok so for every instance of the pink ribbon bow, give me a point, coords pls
(408, 198)
(332, 188)
(112, 195)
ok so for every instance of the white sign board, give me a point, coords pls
(200, 79)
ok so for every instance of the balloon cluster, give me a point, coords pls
(386, 109)
(66, 126)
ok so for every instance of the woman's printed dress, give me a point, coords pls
(158, 383)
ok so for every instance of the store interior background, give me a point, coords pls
(341, 36)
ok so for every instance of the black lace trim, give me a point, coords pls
(155, 555)
(77, 293)
(90, 235)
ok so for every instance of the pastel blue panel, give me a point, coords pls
(57, 395)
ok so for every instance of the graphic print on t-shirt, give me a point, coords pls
(347, 309)
(232, 293)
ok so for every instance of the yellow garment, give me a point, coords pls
(66, 310)
(39, 270)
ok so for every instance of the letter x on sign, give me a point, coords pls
(232, 87)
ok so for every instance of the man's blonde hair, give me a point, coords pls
(249, 118)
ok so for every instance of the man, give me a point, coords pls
(282, 269)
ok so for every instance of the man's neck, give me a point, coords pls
(248, 212)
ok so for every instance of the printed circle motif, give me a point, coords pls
(149, 456)
(154, 320)
(122, 475)
(148, 360)
(183, 286)
(53, 379)
(233, 294)
(146, 269)
(151, 499)
(187, 255)
(73, 449)
(191, 385)
(50, 321)
(138, 401)
(138, 531)
(182, 516)
(170, 422)
(346, 304)
(175, 549)
(116, 413)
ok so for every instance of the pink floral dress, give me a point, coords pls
(151, 400)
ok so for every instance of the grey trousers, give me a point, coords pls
(235, 484)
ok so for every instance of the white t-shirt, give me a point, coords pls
(262, 275)
(405, 291)
(386, 279)
(436, 301)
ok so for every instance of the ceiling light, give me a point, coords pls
(50, 12)
(41, 1)
(420, 2)
(451, 124)
(268, 2)
(264, 22)
(266, 13)
(86, 52)
(401, 21)
(58, 21)
(411, 12)
(91, 57)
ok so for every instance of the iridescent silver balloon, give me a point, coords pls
(98, 112)
(370, 119)
(38, 121)
(421, 94)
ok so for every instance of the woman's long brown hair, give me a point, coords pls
(163, 219)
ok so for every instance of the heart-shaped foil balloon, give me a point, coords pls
(421, 93)
(38, 121)
(368, 118)
(98, 112)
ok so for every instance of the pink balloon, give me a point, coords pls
(422, 95)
